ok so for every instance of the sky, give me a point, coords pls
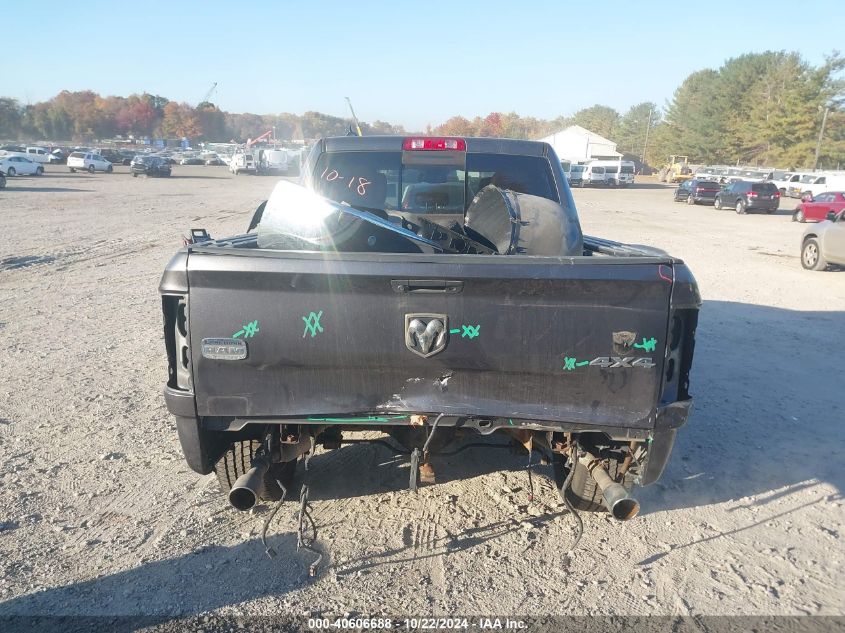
(411, 63)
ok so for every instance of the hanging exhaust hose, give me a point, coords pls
(579, 523)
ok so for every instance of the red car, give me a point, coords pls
(815, 209)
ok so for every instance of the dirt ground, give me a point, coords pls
(99, 513)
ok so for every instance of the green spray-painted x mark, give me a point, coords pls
(312, 324)
(247, 331)
(570, 364)
(648, 345)
(467, 331)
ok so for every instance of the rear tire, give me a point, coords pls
(109, 169)
(72, 170)
(91, 169)
(740, 207)
(11, 171)
(717, 204)
(238, 459)
(39, 171)
(690, 200)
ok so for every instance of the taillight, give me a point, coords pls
(777, 194)
(752, 194)
(430, 143)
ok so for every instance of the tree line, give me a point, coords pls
(85, 116)
(759, 108)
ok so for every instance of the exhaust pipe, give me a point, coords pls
(616, 499)
(249, 486)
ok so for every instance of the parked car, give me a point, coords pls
(781, 180)
(799, 184)
(697, 190)
(116, 156)
(816, 208)
(38, 155)
(192, 160)
(15, 165)
(89, 162)
(212, 159)
(149, 166)
(824, 243)
(744, 196)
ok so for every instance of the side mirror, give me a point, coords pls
(831, 216)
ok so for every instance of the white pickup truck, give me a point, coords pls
(35, 154)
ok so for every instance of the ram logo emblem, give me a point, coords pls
(426, 334)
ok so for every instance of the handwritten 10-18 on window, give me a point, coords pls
(332, 175)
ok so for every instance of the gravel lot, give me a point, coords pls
(100, 515)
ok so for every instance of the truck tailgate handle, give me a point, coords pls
(426, 285)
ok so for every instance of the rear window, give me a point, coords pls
(627, 169)
(380, 180)
(763, 187)
(77, 155)
(611, 170)
(577, 168)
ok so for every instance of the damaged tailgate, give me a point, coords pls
(577, 340)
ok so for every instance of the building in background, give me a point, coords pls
(576, 144)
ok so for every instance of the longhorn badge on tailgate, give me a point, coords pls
(426, 334)
(224, 348)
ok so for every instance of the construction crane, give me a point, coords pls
(209, 94)
(258, 139)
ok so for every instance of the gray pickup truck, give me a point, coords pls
(433, 290)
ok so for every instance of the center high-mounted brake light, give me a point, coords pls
(430, 143)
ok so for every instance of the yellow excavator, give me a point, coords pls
(676, 170)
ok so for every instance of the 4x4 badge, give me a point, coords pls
(426, 334)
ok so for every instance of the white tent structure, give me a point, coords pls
(578, 144)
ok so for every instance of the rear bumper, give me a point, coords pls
(204, 439)
(767, 205)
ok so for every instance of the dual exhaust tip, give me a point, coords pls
(616, 499)
(247, 490)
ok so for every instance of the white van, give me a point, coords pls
(823, 182)
(576, 175)
(242, 162)
(619, 173)
(594, 175)
(274, 161)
